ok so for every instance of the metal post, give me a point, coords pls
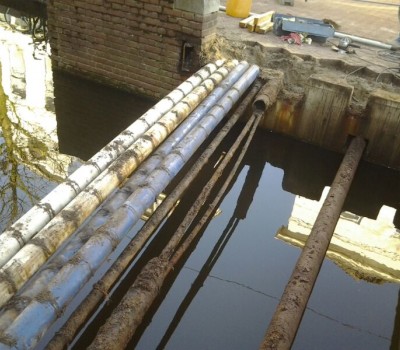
(289, 312)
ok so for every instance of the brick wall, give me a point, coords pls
(133, 44)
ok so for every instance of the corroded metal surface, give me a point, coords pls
(99, 293)
(116, 334)
(289, 312)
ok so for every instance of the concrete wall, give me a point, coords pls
(322, 116)
(145, 46)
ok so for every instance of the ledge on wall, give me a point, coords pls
(202, 7)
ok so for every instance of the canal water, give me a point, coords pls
(224, 293)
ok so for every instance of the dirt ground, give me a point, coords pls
(369, 68)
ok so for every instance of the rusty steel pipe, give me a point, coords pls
(139, 298)
(41, 279)
(289, 312)
(27, 328)
(269, 92)
(67, 333)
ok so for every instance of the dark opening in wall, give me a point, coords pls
(188, 57)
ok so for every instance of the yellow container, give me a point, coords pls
(238, 8)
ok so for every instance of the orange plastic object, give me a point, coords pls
(238, 8)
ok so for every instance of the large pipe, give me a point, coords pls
(145, 169)
(39, 215)
(115, 334)
(38, 282)
(39, 315)
(28, 260)
(289, 312)
(269, 92)
(67, 332)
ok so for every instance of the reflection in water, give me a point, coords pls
(245, 199)
(90, 115)
(395, 345)
(241, 267)
(226, 274)
(365, 248)
(30, 163)
(308, 170)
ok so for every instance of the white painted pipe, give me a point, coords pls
(43, 277)
(27, 329)
(35, 253)
(364, 40)
(14, 238)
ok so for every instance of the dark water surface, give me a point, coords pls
(225, 292)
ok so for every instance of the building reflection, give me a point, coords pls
(365, 248)
(366, 243)
(30, 164)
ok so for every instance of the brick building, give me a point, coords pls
(144, 46)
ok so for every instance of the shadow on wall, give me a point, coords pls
(308, 169)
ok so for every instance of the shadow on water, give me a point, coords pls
(308, 169)
(281, 152)
(84, 111)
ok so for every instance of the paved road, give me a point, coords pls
(371, 20)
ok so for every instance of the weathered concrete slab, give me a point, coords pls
(382, 128)
(201, 7)
(323, 118)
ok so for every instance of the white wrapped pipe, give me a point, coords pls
(31, 324)
(38, 216)
(29, 259)
(43, 277)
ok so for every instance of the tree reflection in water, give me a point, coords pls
(30, 165)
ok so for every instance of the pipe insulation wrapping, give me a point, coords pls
(38, 282)
(39, 215)
(39, 249)
(27, 329)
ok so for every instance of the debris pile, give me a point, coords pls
(292, 29)
(296, 38)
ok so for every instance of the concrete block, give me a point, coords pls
(202, 7)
